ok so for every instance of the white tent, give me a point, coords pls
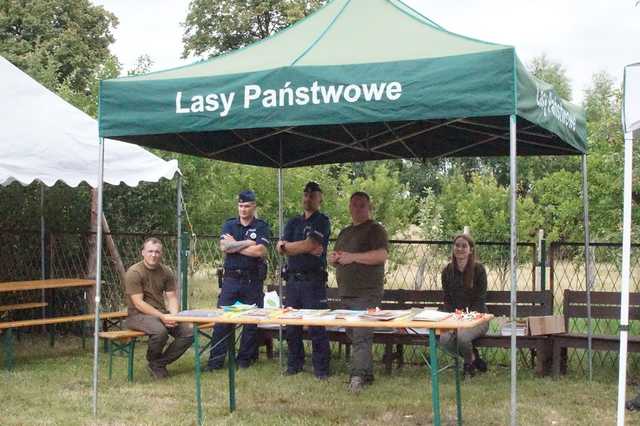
(631, 127)
(43, 138)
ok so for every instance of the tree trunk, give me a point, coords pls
(91, 247)
(112, 249)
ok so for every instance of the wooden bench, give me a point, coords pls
(122, 342)
(22, 306)
(5, 310)
(604, 306)
(529, 303)
(7, 328)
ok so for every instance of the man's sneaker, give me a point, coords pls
(158, 373)
(208, 368)
(480, 365)
(292, 371)
(356, 384)
(322, 376)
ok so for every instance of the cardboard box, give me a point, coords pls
(522, 328)
(550, 324)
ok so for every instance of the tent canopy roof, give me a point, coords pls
(46, 139)
(357, 80)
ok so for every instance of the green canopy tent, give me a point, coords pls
(358, 80)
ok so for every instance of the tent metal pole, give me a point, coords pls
(96, 328)
(182, 291)
(624, 290)
(587, 263)
(43, 256)
(281, 234)
(514, 271)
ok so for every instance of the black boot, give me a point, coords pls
(478, 362)
(469, 370)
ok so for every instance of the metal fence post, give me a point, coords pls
(184, 272)
(542, 260)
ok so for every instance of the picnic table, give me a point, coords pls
(49, 285)
(434, 328)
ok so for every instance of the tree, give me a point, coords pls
(64, 45)
(57, 41)
(553, 73)
(213, 27)
(143, 65)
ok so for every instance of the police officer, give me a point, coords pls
(244, 241)
(305, 243)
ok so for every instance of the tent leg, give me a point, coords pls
(96, 328)
(587, 262)
(281, 233)
(43, 256)
(624, 290)
(182, 296)
(514, 271)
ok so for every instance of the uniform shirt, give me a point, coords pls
(151, 283)
(258, 231)
(457, 296)
(356, 279)
(316, 227)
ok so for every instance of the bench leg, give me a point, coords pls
(556, 359)
(7, 345)
(400, 352)
(110, 349)
(132, 346)
(52, 334)
(83, 335)
(387, 358)
(128, 348)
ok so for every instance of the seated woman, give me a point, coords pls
(464, 282)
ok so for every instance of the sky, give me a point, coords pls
(585, 36)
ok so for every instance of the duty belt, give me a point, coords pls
(240, 273)
(306, 276)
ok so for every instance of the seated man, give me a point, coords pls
(146, 285)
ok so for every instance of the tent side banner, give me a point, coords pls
(631, 103)
(539, 103)
(471, 85)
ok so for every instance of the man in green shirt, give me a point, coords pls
(361, 251)
(147, 283)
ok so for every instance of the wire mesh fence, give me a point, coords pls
(567, 264)
(412, 265)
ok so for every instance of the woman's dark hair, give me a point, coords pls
(469, 269)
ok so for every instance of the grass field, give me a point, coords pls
(53, 386)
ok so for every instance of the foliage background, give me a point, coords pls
(64, 45)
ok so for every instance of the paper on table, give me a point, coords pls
(207, 313)
(431, 315)
(384, 315)
(238, 307)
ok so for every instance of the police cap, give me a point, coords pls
(247, 196)
(312, 187)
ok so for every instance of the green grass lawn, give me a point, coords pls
(53, 386)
